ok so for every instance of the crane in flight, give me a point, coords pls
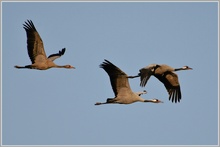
(164, 74)
(36, 51)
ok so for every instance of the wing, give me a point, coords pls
(34, 42)
(57, 55)
(145, 74)
(170, 81)
(117, 77)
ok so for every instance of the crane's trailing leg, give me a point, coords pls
(108, 101)
(27, 66)
(134, 76)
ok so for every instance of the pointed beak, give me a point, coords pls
(161, 101)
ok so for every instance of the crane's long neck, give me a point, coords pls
(178, 69)
(60, 66)
(151, 101)
(64, 66)
(51, 64)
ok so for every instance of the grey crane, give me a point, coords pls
(121, 87)
(166, 75)
(36, 51)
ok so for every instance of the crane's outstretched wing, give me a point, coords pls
(145, 73)
(170, 81)
(57, 55)
(118, 78)
(34, 42)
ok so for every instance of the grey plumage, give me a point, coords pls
(36, 51)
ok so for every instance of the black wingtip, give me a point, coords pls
(106, 62)
(29, 25)
(62, 51)
(174, 95)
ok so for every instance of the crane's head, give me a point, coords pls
(186, 68)
(154, 101)
(183, 68)
(69, 66)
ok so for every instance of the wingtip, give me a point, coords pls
(62, 51)
(29, 25)
(105, 62)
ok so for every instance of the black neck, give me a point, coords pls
(177, 69)
(147, 100)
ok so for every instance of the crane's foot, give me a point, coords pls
(98, 103)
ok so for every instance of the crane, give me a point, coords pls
(121, 87)
(164, 74)
(36, 51)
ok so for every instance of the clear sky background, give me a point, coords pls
(56, 106)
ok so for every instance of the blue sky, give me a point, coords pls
(56, 106)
